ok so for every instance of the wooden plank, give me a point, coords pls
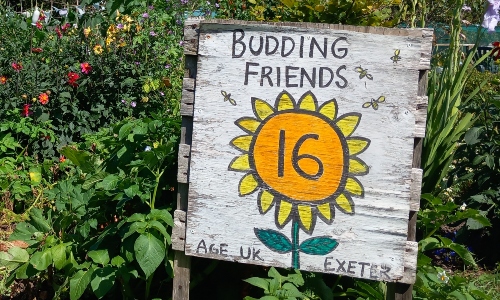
(179, 230)
(410, 265)
(416, 189)
(420, 116)
(182, 262)
(183, 159)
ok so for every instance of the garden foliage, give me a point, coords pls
(89, 132)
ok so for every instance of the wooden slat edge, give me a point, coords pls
(426, 49)
(415, 188)
(179, 230)
(414, 32)
(420, 116)
(187, 100)
(191, 33)
(410, 263)
(183, 162)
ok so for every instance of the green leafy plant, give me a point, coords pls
(278, 287)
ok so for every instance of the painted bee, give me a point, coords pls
(374, 103)
(227, 97)
(396, 56)
(363, 73)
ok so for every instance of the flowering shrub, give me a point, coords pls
(83, 78)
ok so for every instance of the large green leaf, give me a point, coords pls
(59, 255)
(149, 252)
(259, 282)
(109, 182)
(99, 256)
(79, 282)
(80, 158)
(103, 280)
(163, 215)
(41, 260)
(274, 240)
(13, 257)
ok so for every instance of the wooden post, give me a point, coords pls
(182, 262)
(403, 291)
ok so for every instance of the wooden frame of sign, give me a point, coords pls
(303, 148)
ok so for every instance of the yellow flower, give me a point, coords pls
(126, 27)
(86, 32)
(156, 144)
(98, 49)
(128, 19)
(33, 100)
(122, 43)
(117, 15)
(109, 40)
(145, 99)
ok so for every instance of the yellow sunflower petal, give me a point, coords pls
(250, 125)
(242, 142)
(329, 109)
(240, 163)
(284, 212)
(354, 187)
(248, 185)
(306, 217)
(284, 102)
(308, 102)
(348, 123)
(357, 167)
(265, 201)
(357, 145)
(262, 109)
(345, 204)
(325, 210)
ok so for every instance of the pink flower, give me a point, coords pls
(491, 16)
(17, 66)
(86, 68)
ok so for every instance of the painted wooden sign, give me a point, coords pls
(302, 147)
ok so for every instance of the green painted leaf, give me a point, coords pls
(274, 240)
(99, 256)
(103, 280)
(79, 282)
(41, 260)
(320, 245)
(149, 252)
(259, 282)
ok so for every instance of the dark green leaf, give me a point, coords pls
(79, 282)
(149, 252)
(472, 135)
(259, 282)
(274, 240)
(321, 245)
(103, 280)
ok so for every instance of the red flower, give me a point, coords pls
(43, 98)
(26, 110)
(65, 27)
(17, 66)
(3, 79)
(86, 68)
(39, 25)
(58, 31)
(72, 78)
(496, 49)
(42, 16)
(36, 50)
(62, 159)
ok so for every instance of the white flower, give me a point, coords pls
(463, 207)
(148, 148)
(442, 277)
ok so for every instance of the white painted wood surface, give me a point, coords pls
(372, 241)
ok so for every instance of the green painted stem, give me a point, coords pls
(295, 244)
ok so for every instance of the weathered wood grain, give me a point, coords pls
(183, 168)
(221, 223)
(179, 230)
(410, 263)
(415, 189)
